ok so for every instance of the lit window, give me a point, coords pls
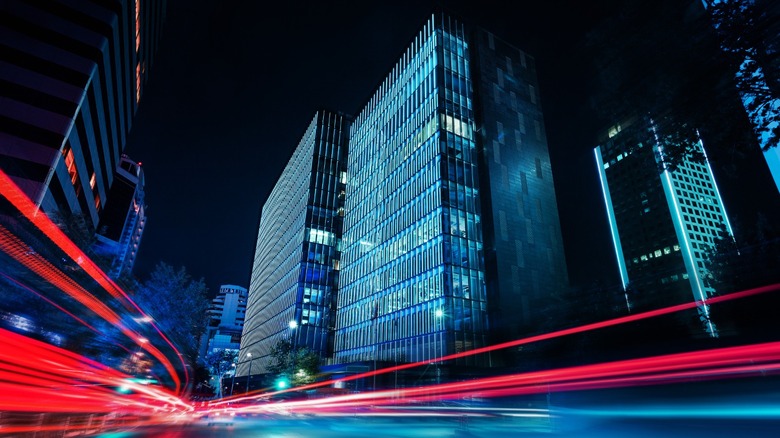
(137, 82)
(92, 181)
(137, 25)
(70, 163)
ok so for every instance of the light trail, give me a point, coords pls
(721, 363)
(27, 208)
(39, 377)
(537, 338)
(19, 251)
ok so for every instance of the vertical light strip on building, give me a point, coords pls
(611, 217)
(403, 297)
(691, 261)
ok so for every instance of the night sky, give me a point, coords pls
(235, 84)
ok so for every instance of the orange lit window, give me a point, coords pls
(137, 25)
(137, 82)
(97, 202)
(92, 181)
(70, 163)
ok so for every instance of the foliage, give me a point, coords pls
(299, 365)
(178, 305)
(201, 387)
(220, 362)
(80, 230)
(745, 29)
(664, 60)
(733, 266)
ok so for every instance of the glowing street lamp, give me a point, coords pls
(293, 324)
(249, 375)
(233, 381)
(439, 314)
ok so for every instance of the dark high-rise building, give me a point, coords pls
(72, 75)
(297, 257)
(663, 220)
(451, 233)
(123, 220)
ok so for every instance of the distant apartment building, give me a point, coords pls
(663, 220)
(225, 320)
(297, 256)
(123, 220)
(73, 74)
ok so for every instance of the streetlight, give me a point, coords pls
(293, 324)
(439, 314)
(233, 381)
(249, 375)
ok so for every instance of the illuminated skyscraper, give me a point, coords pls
(451, 234)
(297, 255)
(663, 220)
(72, 74)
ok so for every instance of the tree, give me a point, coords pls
(736, 265)
(299, 366)
(754, 262)
(748, 36)
(663, 60)
(201, 387)
(220, 362)
(178, 305)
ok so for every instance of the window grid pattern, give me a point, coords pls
(412, 240)
(664, 224)
(295, 270)
(700, 214)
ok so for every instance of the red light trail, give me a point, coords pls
(19, 251)
(542, 337)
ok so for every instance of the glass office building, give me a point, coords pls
(663, 220)
(447, 244)
(297, 255)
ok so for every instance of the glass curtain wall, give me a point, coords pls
(412, 287)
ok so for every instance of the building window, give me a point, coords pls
(70, 164)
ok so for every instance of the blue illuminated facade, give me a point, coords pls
(297, 255)
(451, 233)
(663, 220)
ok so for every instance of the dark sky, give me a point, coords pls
(235, 84)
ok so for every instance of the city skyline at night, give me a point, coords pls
(236, 137)
(408, 218)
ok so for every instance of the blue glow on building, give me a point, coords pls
(451, 235)
(297, 255)
(412, 242)
(661, 249)
(611, 218)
